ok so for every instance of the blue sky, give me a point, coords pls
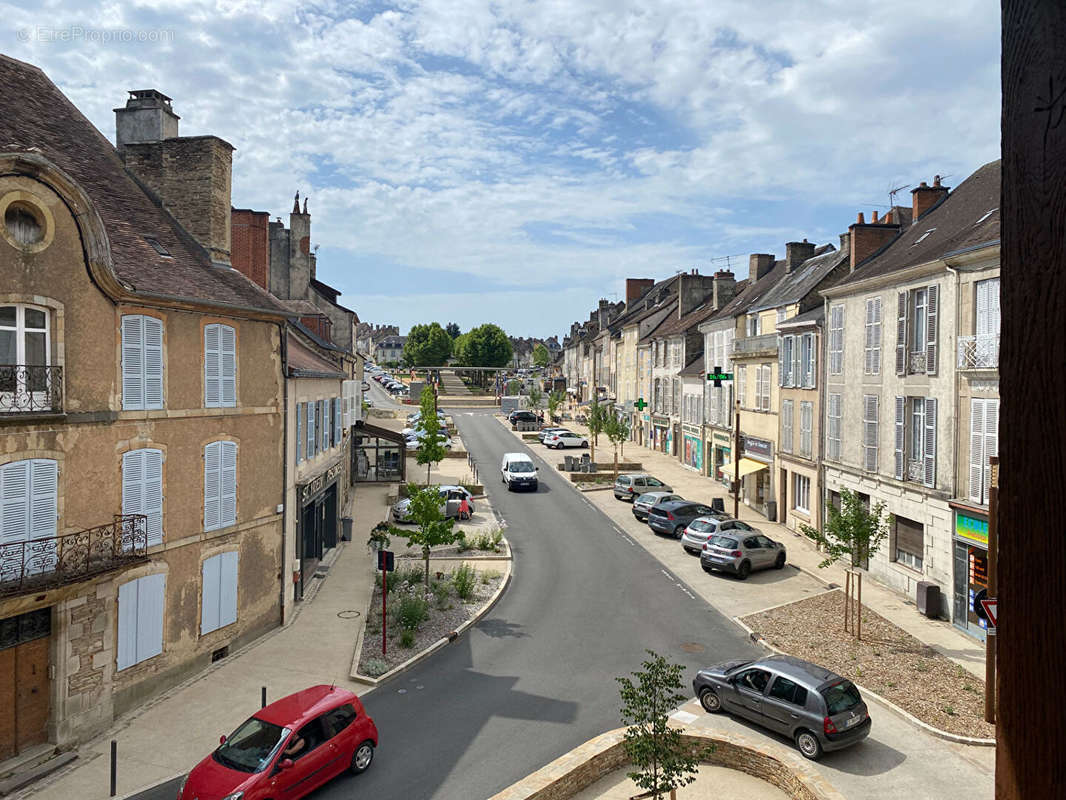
(514, 161)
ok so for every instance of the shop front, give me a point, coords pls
(970, 546)
(755, 489)
(378, 455)
(719, 446)
(692, 447)
(661, 435)
(318, 521)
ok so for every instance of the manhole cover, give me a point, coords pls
(693, 647)
(349, 614)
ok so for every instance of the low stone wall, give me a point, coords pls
(608, 466)
(591, 477)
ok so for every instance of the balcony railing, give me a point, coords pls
(26, 389)
(764, 344)
(40, 564)
(979, 352)
(916, 471)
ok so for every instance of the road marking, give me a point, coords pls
(678, 584)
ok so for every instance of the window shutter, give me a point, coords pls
(901, 333)
(299, 432)
(901, 407)
(153, 494)
(337, 429)
(324, 417)
(228, 366)
(44, 486)
(132, 362)
(781, 356)
(151, 595)
(15, 498)
(227, 606)
(930, 327)
(126, 640)
(153, 362)
(212, 366)
(212, 486)
(870, 432)
(209, 594)
(930, 442)
(310, 430)
(875, 358)
(786, 426)
(867, 366)
(991, 440)
(228, 512)
(977, 450)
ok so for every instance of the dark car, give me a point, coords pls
(671, 518)
(522, 416)
(818, 709)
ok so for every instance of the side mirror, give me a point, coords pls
(222, 739)
(285, 763)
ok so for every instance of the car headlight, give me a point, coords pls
(181, 786)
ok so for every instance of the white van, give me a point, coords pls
(517, 471)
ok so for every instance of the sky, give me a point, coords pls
(514, 161)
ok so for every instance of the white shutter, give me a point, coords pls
(153, 362)
(338, 430)
(227, 595)
(932, 298)
(868, 348)
(981, 323)
(153, 494)
(44, 498)
(781, 360)
(126, 640)
(212, 366)
(310, 430)
(133, 482)
(930, 442)
(991, 440)
(228, 512)
(15, 509)
(132, 362)
(869, 402)
(299, 432)
(901, 333)
(977, 450)
(212, 486)
(228, 366)
(346, 414)
(798, 374)
(901, 430)
(875, 358)
(786, 426)
(324, 417)
(151, 592)
(209, 594)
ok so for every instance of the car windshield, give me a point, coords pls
(841, 697)
(646, 498)
(252, 746)
(724, 542)
(702, 525)
(520, 466)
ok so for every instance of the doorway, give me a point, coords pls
(25, 691)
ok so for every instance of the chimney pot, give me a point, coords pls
(936, 180)
(874, 220)
(861, 220)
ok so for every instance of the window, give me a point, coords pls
(909, 542)
(142, 362)
(915, 440)
(984, 443)
(340, 718)
(786, 426)
(311, 439)
(789, 691)
(916, 330)
(806, 424)
(337, 429)
(836, 340)
(786, 375)
(767, 376)
(25, 353)
(299, 432)
(986, 323)
(832, 439)
(809, 358)
(869, 432)
(142, 489)
(753, 680)
(220, 366)
(780, 315)
(742, 388)
(218, 598)
(220, 485)
(29, 504)
(140, 619)
(872, 352)
(323, 419)
(24, 224)
(801, 493)
(754, 328)
(675, 348)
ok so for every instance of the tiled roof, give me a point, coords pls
(694, 368)
(813, 317)
(35, 117)
(304, 362)
(794, 286)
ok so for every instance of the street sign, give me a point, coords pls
(989, 604)
(640, 405)
(386, 560)
(719, 376)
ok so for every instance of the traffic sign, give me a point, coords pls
(640, 405)
(989, 604)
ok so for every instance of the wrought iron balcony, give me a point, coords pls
(40, 564)
(26, 389)
(979, 352)
(916, 363)
(916, 471)
(762, 345)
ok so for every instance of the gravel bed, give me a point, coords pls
(888, 660)
(440, 623)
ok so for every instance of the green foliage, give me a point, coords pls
(616, 428)
(427, 345)
(442, 590)
(541, 357)
(452, 329)
(497, 538)
(662, 759)
(484, 346)
(464, 579)
(851, 531)
(407, 638)
(536, 394)
(433, 529)
(431, 448)
(555, 399)
(379, 538)
(373, 667)
(414, 610)
(597, 418)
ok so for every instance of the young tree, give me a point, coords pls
(434, 529)
(851, 530)
(663, 761)
(616, 426)
(541, 357)
(555, 399)
(596, 418)
(536, 395)
(431, 444)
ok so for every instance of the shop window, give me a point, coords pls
(801, 493)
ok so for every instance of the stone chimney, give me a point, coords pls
(725, 288)
(190, 175)
(866, 239)
(924, 197)
(759, 264)
(603, 313)
(693, 289)
(796, 253)
(635, 289)
(299, 250)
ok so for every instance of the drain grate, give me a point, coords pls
(349, 614)
(693, 647)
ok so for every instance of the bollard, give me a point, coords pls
(114, 767)
(263, 697)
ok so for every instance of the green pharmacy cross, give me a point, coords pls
(717, 376)
(640, 405)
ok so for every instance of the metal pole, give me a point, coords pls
(993, 562)
(858, 608)
(384, 595)
(114, 767)
(847, 598)
(263, 697)
(736, 462)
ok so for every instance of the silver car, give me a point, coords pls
(449, 498)
(741, 552)
(644, 503)
(700, 530)
(631, 485)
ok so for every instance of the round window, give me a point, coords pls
(26, 221)
(23, 224)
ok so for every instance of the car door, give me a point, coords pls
(309, 764)
(749, 687)
(755, 552)
(770, 547)
(655, 483)
(784, 705)
(344, 741)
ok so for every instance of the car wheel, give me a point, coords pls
(808, 745)
(584, 445)
(780, 563)
(744, 571)
(710, 701)
(679, 531)
(361, 758)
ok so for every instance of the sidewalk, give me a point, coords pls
(893, 606)
(172, 732)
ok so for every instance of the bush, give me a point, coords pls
(442, 591)
(497, 538)
(462, 543)
(414, 610)
(489, 575)
(407, 638)
(464, 578)
(484, 542)
(374, 667)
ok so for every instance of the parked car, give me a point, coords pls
(703, 528)
(645, 502)
(674, 516)
(546, 432)
(565, 439)
(288, 748)
(631, 485)
(818, 709)
(450, 496)
(740, 554)
(522, 416)
(517, 471)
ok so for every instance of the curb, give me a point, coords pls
(355, 675)
(758, 638)
(150, 786)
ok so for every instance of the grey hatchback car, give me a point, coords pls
(673, 517)
(741, 552)
(645, 502)
(631, 485)
(817, 709)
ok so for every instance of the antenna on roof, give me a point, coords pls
(893, 192)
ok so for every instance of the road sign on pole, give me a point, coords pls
(989, 604)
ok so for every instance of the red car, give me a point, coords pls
(287, 749)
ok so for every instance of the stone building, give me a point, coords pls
(141, 414)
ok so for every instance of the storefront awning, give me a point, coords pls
(747, 466)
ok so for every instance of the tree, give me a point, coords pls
(486, 346)
(851, 530)
(431, 444)
(536, 394)
(541, 357)
(452, 330)
(555, 399)
(427, 345)
(595, 420)
(663, 761)
(616, 426)
(433, 528)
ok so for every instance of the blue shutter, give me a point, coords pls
(126, 640)
(212, 485)
(209, 595)
(212, 366)
(132, 362)
(227, 595)
(151, 593)
(133, 482)
(153, 362)
(153, 494)
(310, 431)
(228, 366)
(324, 417)
(299, 432)
(228, 492)
(14, 505)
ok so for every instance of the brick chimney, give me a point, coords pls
(759, 264)
(724, 288)
(796, 253)
(250, 244)
(636, 287)
(693, 289)
(924, 197)
(866, 238)
(190, 174)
